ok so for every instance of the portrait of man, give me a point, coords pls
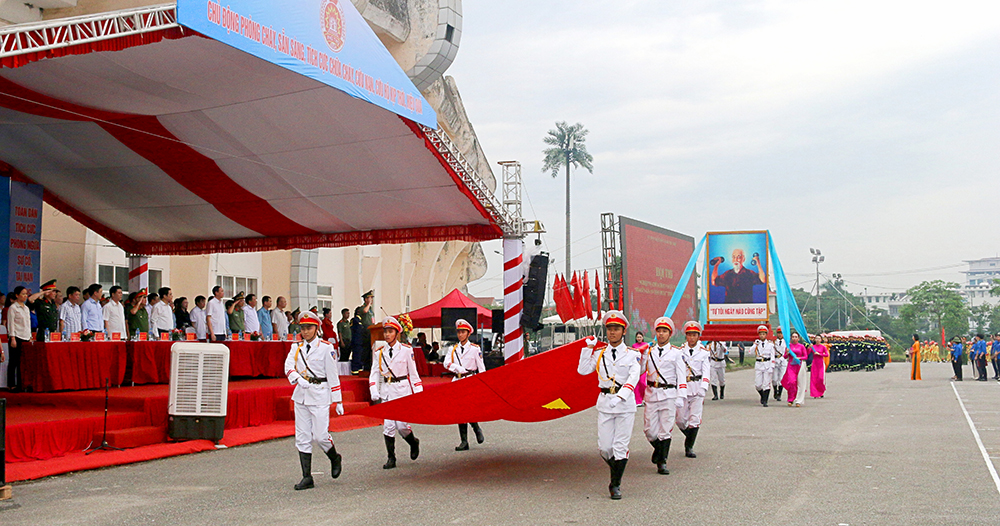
(739, 280)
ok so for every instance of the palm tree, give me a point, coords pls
(567, 149)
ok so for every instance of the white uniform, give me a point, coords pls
(780, 362)
(666, 387)
(617, 370)
(464, 360)
(717, 355)
(697, 369)
(313, 359)
(394, 375)
(764, 353)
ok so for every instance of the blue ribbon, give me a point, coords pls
(682, 286)
(789, 315)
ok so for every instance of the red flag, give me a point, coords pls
(578, 309)
(597, 285)
(621, 298)
(586, 296)
(559, 296)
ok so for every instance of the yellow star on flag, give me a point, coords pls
(556, 404)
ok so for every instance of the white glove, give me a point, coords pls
(614, 400)
(678, 402)
(340, 409)
(460, 370)
(302, 382)
(591, 342)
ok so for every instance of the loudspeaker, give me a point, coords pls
(450, 315)
(497, 321)
(533, 293)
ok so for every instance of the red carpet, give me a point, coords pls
(47, 433)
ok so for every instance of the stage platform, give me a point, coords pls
(47, 432)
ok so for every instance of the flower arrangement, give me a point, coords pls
(407, 323)
(176, 335)
(87, 335)
(255, 336)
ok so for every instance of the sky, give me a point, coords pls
(867, 129)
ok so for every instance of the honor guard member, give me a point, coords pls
(617, 369)
(696, 365)
(717, 354)
(666, 389)
(764, 352)
(311, 366)
(465, 359)
(780, 363)
(394, 375)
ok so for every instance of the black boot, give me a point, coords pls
(480, 437)
(617, 470)
(715, 393)
(335, 460)
(722, 392)
(777, 393)
(306, 461)
(767, 394)
(760, 393)
(463, 433)
(691, 435)
(656, 451)
(414, 443)
(390, 449)
(661, 466)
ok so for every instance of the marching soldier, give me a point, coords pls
(696, 360)
(717, 354)
(394, 375)
(465, 359)
(312, 368)
(617, 369)
(780, 364)
(666, 389)
(763, 350)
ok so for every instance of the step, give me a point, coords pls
(134, 437)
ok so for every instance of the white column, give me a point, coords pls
(138, 272)
(513, 283)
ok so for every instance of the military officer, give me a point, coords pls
(394, 375)
(665, 391)
(465, 359)
(312, 367)
(780, 363)
(617, 368)
(763, 350)
(696, 361)
(45, 309)
(717, 354)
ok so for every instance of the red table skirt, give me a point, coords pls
(59, 366)
(151, 360)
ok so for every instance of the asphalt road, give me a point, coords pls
(878, 450)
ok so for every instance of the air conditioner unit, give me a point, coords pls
(199, 389)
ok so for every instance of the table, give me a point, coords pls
(151, 360)
(59, 366)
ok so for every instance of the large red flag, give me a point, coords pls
(586, 295)
(558, 295)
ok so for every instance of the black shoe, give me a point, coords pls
(767, 394)
(760, 393)
(617, 470)
(480, 437)
(463, 434)
(715, 393)
(414, 443)
(722, 392)
(661, 468)
(692, 435)
(305, 462)
(390, 449)
(335, 462)
(655, 459)
(464, 446)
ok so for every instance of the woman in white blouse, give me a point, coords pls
(19, 333)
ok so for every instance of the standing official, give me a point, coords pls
(394, 376)
(312, 369)
(780, 363)
(666, 389)
(696, 360)
(465, 359)
(764, 354)
(956, 359)
(717, 354)
(617, 369)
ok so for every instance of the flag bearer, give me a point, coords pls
(666, 389)
(763, 350)
(312, 367)
(394, 375)
(617, 369)
(465, 359)
(696, 363)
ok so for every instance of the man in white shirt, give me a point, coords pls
(114, 313)
(70, 318)
(162, 319)
(251, 323)
(199, 319)
(279, 320)
(216, 315)
(151, 300)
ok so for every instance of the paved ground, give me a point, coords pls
(878, 450)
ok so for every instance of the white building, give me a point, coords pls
(979, 279)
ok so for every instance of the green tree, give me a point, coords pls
(567, 149)
(995, 320)
(980, 316)
(938, 305)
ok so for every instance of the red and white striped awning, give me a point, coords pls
(166, 142)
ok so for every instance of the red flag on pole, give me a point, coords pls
(578, 297)
(597, 285)
(559, 293)
(586, 295)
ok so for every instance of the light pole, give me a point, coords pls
(817, 259)
(838, 282)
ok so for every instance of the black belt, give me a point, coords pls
(316, 380)
(660, 385)
(467, 373)
(694, 378)
(763, 359)
(396, 379)
(611, 390)
(719, 359)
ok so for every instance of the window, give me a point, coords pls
(324, 297)
(110, 275)
(235, 284)
(155, 280)
(449, 33)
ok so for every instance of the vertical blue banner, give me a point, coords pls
(24, 233)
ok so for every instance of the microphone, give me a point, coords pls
(716, 260)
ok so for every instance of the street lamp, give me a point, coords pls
(838, 281)
(817, 259)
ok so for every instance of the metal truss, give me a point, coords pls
(453, 156)
(610, 239)
(21, 39)
(512, 196)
